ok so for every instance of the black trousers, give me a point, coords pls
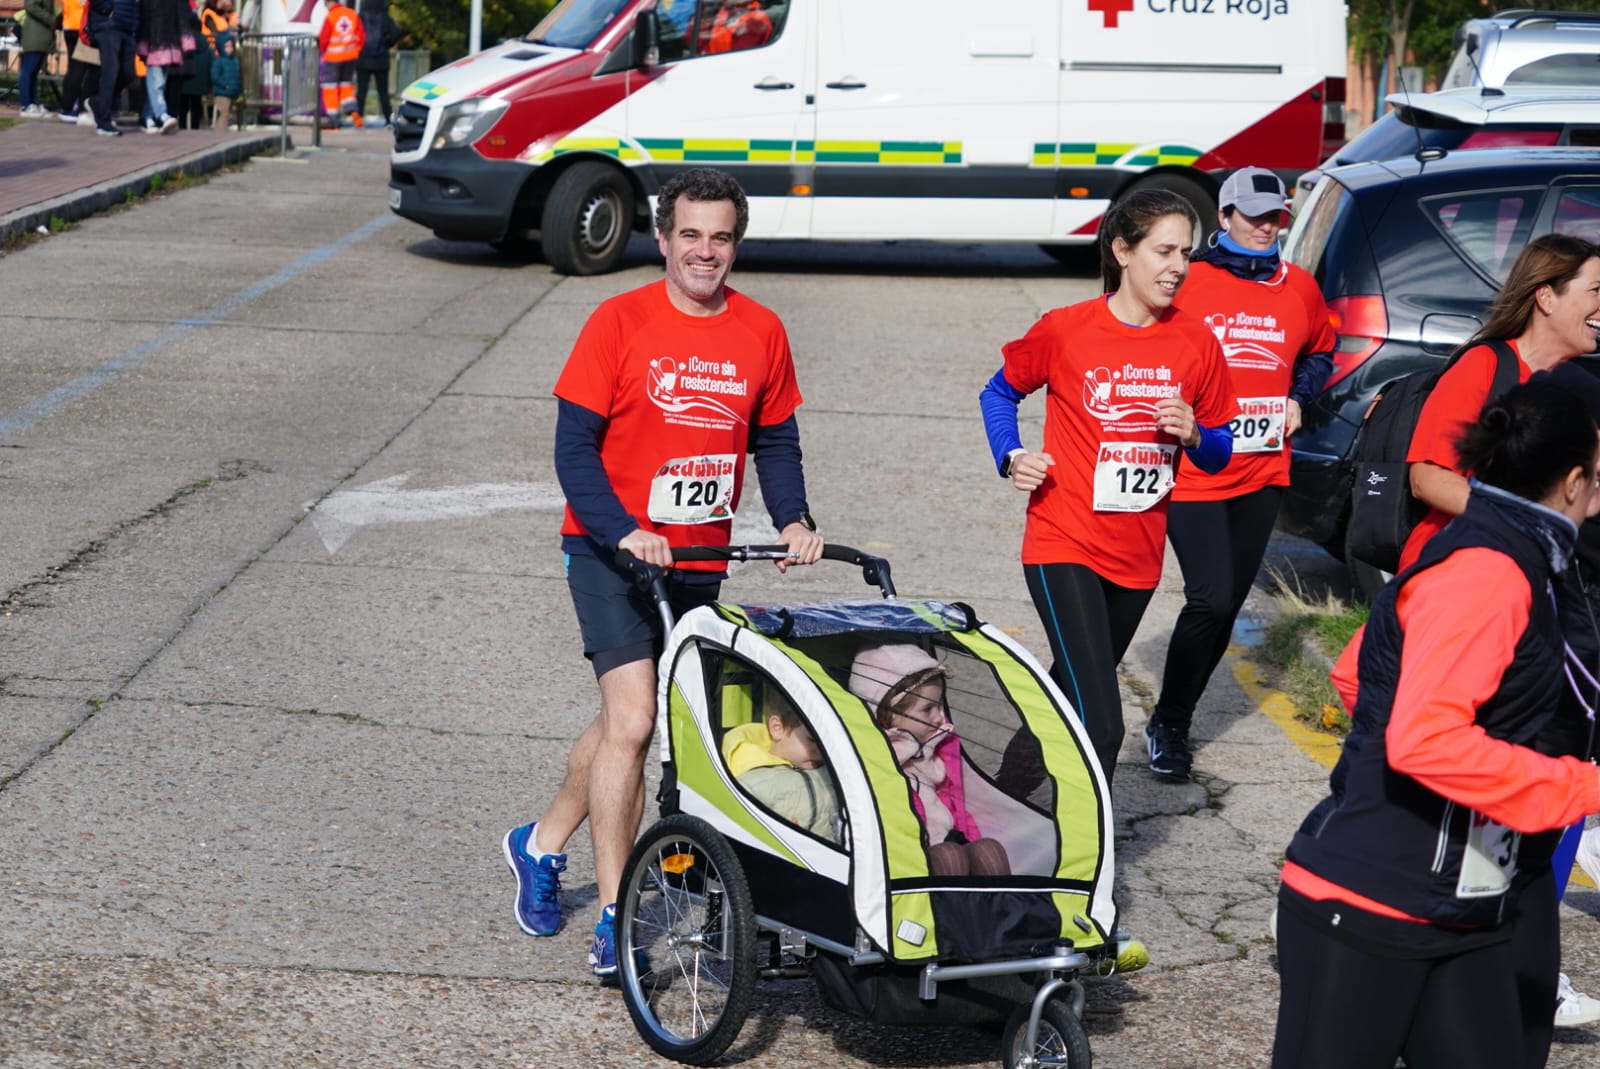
(1341, 1008)
(1219, 545)
(1089, 622)
(381, 79)
(116, 70)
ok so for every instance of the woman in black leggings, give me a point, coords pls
(1130, 382)
(1275, 332)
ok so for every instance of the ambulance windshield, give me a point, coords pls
(575, 23)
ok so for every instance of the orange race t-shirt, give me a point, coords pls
(679, 394)
(1104, 504)
(1263, 327)
(1456, 401)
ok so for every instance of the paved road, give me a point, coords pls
(285, 646)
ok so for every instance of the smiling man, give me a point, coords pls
(667, 389)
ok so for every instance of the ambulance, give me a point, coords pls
(864, 120)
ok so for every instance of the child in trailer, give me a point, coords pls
(777, 760)
(904, 688)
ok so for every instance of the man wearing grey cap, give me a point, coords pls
(1276, 336)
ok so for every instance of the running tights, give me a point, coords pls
(1219, 545)
(1089, 622)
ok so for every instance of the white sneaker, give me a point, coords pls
(168, 124)
(1574, 1008)
(35, 111)
(86, 115)
(1589, 854)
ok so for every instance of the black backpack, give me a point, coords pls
(1383, 511)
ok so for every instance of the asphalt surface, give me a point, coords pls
(285, 646)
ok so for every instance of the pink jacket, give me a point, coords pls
(935, 775)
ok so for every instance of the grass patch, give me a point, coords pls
(1299, 647)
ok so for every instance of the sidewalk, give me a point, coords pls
(50, 169)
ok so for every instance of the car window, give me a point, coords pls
(1308, 239)
(692, 28)
(1394, 137)
(1487, 228)
(1569, 68)
(1578, 213)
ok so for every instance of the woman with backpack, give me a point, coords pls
(1544, 312)
(372, 65)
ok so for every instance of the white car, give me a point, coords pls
(1522, 47)
(1471, 118)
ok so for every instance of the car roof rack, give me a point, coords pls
(1521, 16)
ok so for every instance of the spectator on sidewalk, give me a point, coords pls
(217, 17)
(372, 65)
(194, 80)
(74, 92)
(163, 40)
(227, 81)
(113, 27)
(38, 41)
(341, 38)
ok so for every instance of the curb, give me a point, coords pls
(92, 200)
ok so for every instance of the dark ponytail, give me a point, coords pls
(1131, 219)
(1529, 438)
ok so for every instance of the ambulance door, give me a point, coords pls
(729, 93)
(928, 115)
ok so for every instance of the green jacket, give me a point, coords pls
(39, 27)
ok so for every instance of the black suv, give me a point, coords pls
(1409, 253)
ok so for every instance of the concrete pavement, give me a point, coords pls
(255, 764)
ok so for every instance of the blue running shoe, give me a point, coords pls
(603, 950)
(538, 883)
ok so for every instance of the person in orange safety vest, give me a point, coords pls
(341, 37)
(739, 26)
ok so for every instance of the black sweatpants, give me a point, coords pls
(1219, 545)
(1089, 622)
(1341, 1008)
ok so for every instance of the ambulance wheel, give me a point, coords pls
(1060, 1043)
(686, 940)
(588, 216)
(1084, 258)
(1205, 205)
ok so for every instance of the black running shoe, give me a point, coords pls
(1169, 751)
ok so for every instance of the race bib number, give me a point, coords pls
(1490, 859)
(693, 490)
(1132, 476)
(1259, 426)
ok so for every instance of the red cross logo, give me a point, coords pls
(1111, 9)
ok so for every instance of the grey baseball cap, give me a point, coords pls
(1253, 191)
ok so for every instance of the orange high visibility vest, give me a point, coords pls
(342, 35)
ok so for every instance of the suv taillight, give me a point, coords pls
(1362, 323)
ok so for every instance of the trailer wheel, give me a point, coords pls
(587, 219)
(1061, 1042)
(1205, 205)
(686, 940)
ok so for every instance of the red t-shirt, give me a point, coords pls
(1104, 504)
(1263, 327)
(679, 394)
(1456, 401)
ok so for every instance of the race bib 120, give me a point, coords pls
(693, 489)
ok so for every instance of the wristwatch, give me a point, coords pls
(804, 520)
(1005, 465)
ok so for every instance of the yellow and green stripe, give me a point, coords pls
(1110, 153)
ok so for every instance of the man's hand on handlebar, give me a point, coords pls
(648, 547)
(805, 545)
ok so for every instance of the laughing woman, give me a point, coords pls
(1133, 388)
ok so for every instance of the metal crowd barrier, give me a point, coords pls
(280, 81)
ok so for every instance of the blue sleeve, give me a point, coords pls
(1311, 373)
(583, 477)
(1215, 449)
(998, 401)
(776, 450)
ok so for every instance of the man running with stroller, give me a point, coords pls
(665, 391)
